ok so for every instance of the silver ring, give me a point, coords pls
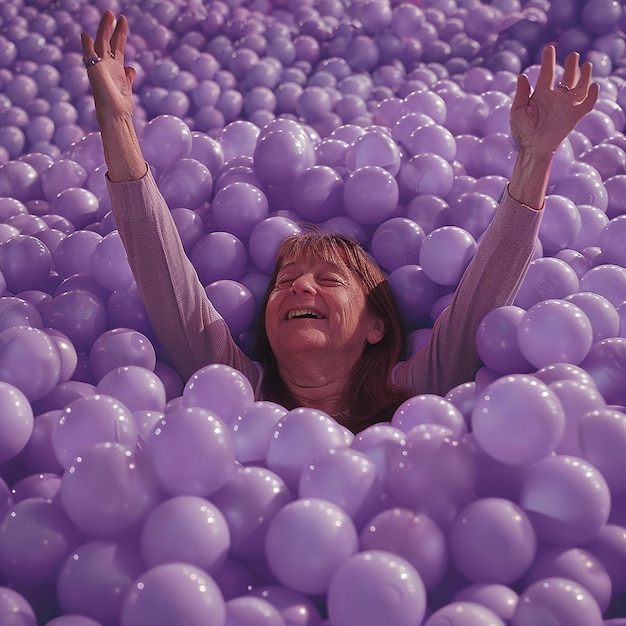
(91, 61)
(561, 85)
(112, 55)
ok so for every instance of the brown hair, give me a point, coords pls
(370, 397)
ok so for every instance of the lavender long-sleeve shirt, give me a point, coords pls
(194, 335)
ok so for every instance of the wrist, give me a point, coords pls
(529, 180)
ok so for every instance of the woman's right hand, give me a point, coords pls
(112, 88)
(111, 82)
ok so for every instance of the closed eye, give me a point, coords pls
(331, 280)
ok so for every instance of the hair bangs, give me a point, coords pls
(331, 248)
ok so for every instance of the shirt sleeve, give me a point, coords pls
(189, 328)
(492, 279)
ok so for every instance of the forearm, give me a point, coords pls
(122, 153)
(491, 280)
(529, 180)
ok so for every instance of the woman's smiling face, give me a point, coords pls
(316, 305)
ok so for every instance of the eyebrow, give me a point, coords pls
(321, 264)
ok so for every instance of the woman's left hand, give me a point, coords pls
(542, 119)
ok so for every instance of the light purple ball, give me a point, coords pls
(220, 389)
(173, 593)
(445, 253)
(249, 501)
(359, 592)
(558, 598)
(475, 556)
(88, 421)
(554, 331)
(567, 500)
(298, 438)
(299, 533)
(507, 430)
(412, 536)
(497, 343)
(108, 490)
(187, 529)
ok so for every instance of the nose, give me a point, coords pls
(303, 284)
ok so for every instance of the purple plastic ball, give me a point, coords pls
(220, 389)
(426, 173)
(433, 473)
(109, 264)
(185, 529)
(136, 387)
(249, 501)
(396, 242)
(601, 435)
(554, 331)
(108, 490)
(118, 347)
(412, 536)
(605, 363)
(29, 361)
(445, 253)
(239, 207)
(428, 409)
(507, 430)
(464, 613)
(567, 500)
(35, 538)
(374, 587)
(496, 341)
(218, 256)
(299, 533)
(174, 593)
(359, 492)
(164, 140)
(203, 440)
(298, 438)
(575, 564)
(370, 194)
(317, 193)
(266, 238)
(186, 183)
(474, 555)
(88, 421)
(280, 156)
(25, 263)
(560, 600)
(253, 428)
(234, 302)
(15, 608)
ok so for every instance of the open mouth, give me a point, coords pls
(303, 314)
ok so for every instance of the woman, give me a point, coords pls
(331, 335)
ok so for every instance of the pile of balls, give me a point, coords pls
(130, 497)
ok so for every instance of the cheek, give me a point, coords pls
(271, 311)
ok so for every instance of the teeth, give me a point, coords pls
(302, 313)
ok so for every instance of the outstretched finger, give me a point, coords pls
(103, 34)
(585, 78)
(589, 102)
(118, 39)
(87, 46)
(546, 70)
(570, 69)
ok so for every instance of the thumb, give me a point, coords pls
(131, 74)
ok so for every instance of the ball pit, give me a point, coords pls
(129, 496)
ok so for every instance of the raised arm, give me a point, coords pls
(187, 325)
(540, 121)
